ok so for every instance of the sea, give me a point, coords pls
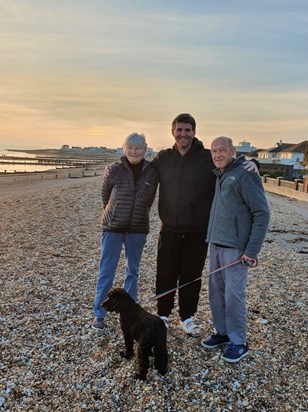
(13, 168)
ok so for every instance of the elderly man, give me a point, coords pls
(237, 227)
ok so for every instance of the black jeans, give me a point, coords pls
(180, 259)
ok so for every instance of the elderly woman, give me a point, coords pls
(128, 191)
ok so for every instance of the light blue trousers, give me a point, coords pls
(227, 294)
(111, 250)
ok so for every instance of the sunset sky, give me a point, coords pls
(90, 72)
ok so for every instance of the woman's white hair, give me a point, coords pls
(137, 139)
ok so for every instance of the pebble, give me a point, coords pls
(262, 321)
(52, 360)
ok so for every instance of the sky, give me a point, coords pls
(90, 72)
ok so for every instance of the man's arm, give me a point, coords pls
(254, 196)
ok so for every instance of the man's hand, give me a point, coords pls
(251, 166)
(249, 261)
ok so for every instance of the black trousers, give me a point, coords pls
(180, 259)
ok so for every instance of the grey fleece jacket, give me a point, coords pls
(240, 214)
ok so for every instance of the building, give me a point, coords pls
(285, 153)
(287, 157)
(294, 154)
(119, 151)
(244, 147)
(272, 155)
(94, 150)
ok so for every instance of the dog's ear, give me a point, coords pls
(123, 300)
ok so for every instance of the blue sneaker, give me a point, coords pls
(98, 323)
(215, 340)
(235, 353)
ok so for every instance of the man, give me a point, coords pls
(238, 224)
(186, 192)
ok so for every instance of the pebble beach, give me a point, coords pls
(52, 360)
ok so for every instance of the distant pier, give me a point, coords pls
(55, 161)
(49, 161)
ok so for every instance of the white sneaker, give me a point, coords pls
(166, 321)
(190, 328)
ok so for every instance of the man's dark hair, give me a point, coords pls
(184, 118)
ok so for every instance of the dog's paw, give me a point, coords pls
(126, 355)
(140, 377)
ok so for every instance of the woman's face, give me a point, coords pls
(134, 153)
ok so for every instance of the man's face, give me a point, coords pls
(183, 134)
(221, 153)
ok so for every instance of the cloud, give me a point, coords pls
(73, 69)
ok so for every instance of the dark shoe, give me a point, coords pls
(98, 323)
(235, 353)
(214, 341)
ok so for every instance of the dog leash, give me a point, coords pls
(250, 263)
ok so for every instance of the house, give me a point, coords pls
(95, 150)
(272, 155)
(119, 151)
(285, 154)
(294, 155)
(285, 157)
(253, 155)
(76, 149)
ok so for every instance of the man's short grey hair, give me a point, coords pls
(227, 139)
(137, 139)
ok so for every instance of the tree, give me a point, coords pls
(305, 160)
